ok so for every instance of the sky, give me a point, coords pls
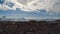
(30, 8)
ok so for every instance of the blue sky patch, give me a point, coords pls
(10, 4)
(1, 1)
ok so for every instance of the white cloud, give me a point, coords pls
(52, 5)
(34, 5)
(4, 7)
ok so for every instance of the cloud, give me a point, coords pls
(52, 5)
(33, 5)
(4, 7)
